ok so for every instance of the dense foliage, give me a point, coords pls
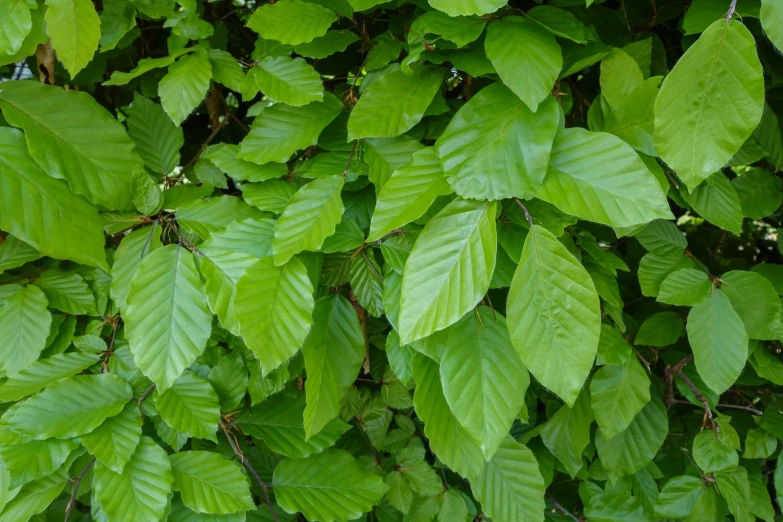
(399, 261)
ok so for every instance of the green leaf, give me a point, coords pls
(483, 379)
(15, 26)
(717, 201)
(273, 307)
(567, 433)
(224, 157)
(310, 216)
(157, 139)
(185, 85)
(35, 459)
(685, 287)
(114, 442)
(554, 314)
(526, 56)
(460, 239)
(326, 45)
(227, 254)
(67, 292)
(34, 497)
(620, 75)
(146, 65)
(678, 497)
(167, 322)
(229, 379)
(497, 148)
(225, 69)
(711, 454)
(510, 486)
(333, 354)
(385, 155)
(453, 507)
(661, 329)
(759, 444)
(719, 75)
(394, 103)
(772, 21)
(655, 268)
(118, 18)
(560, 23)
(204, 217)
(273, 21)
(367, 282)
(278, 422)
(75, 29)
(281, 130)
(408, 193)
(209, 483)
(289, 80)
(614, 505)
(181, 513)
(43, 372)
(735, 489)
(625, 195)
(190, 406)
(24, 324)
(613, 348)
(95, 154)
(71, 407)
(635, 448)
(719, 341)
(755, 300)
(617, 394)
(141, 491)
(759, 192)
(399, 494)
(448, 439)
(633, 118)
(127, 259)
(467, 7)
(662, 237)
(15, 253)
(344, 493)
(400, 358)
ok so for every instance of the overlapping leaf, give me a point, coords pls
(167, 321)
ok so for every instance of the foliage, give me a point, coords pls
(391, 260)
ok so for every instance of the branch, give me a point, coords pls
(252, 470)
(363, 323)
(732, 7)
(751, 409)
(145, 395)
(556, 506)
(77, 482)
(527, 214)
(676, 370)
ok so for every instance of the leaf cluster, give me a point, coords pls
(393, 261)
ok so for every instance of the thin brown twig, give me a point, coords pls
(527, 214)
(145, 395)
(363, 323)
(204, 145)
(676, 370)
(557, 506)
(751, 409)
(251, 469)
(77, 482)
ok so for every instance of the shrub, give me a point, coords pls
(399, 261)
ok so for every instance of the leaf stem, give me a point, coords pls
(77, 482)
(676, 370)
(527, 214)
(232, 442)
